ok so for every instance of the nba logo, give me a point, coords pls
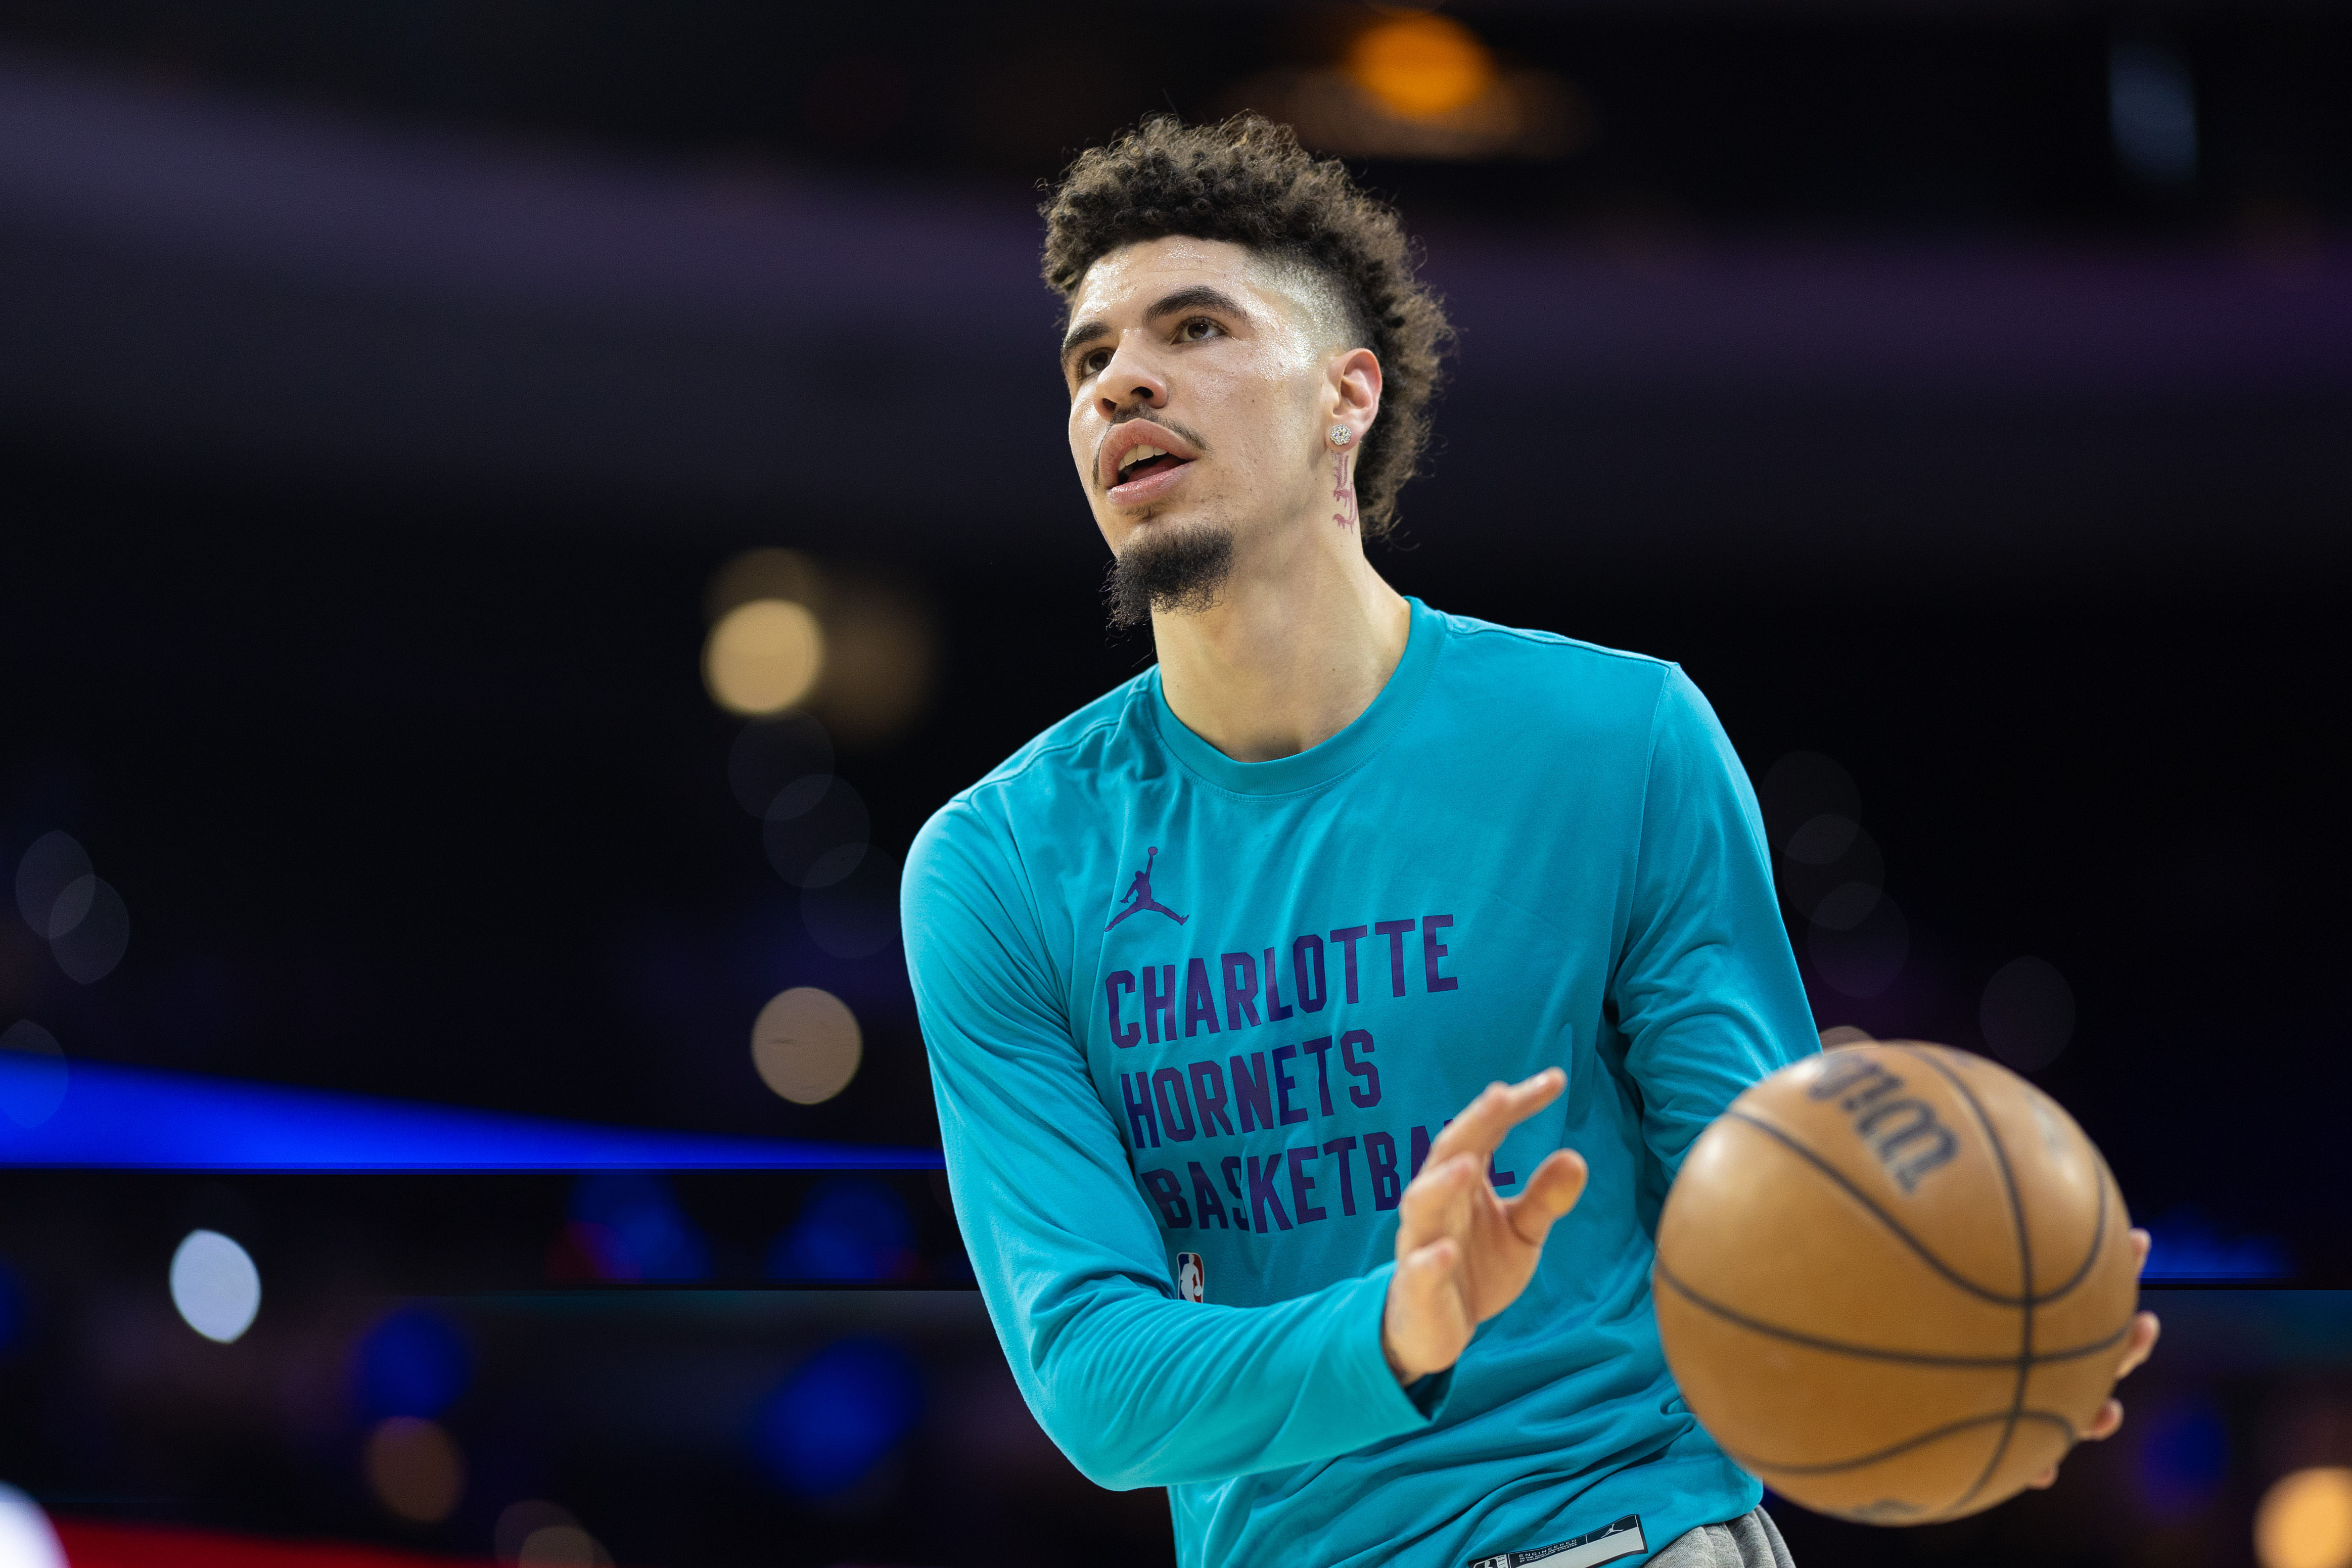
(1191, 1277)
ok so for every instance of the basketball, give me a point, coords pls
(1895, 1281)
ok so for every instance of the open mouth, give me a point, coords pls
(1142, 462)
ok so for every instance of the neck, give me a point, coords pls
(1300, 640)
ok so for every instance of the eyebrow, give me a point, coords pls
(1199, 297)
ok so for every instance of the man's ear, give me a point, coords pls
(1355, 394)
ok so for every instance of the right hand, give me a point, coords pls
(1464, 1253)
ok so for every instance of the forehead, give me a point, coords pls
(1126, 281)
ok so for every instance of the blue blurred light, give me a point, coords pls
(646, 1235)
(34, 1083)
(2152, 112)
(837, 1415)
(414, 1363)
(849, 1229)
(2186, 1244)
(143, 1119)
(2184, 1457)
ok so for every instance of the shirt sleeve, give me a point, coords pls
(1705, 991)
(1138, 1387)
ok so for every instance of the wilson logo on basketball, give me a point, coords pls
(1889, 1126)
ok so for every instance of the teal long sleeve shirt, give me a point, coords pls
(1193, 1023)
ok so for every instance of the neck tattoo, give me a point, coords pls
(1343, 491)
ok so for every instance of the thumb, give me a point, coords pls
(1550, 1192)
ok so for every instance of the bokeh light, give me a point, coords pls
(837, 1415)
(2186, 1243)
(768, 572)
(562, 1546)
(1831, 871)
(414, 1468)
(414, 1363)
(2027, 1013)
(26, 1540)
(1866, 958)
(763, 656)
(214, 1286)
(99, 933)
(1421, 67)
(625, 1225)
(52, 863)
(2183, 1458)
(33, 1074)
(879, 649)
(806, 1045)
(518, 1522)
(2152, 112)
(856, 917)
(778, 762)
(1803, 786)
(81, 915)
(817, 832)
(849, 1228)
(2306, 1520)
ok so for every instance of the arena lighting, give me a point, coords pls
(1421, 66)
(144, 1119)
(763, 656)
(414, 1468)
(25, 1539)
(806, 1045)
(108, 1543)
(2306, 1520)
(215, 1286)
(31, 1092)
(2152, 112)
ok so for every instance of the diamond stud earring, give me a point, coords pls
(1341, 435)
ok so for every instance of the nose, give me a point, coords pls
(1130, 382)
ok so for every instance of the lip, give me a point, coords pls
(1136, 433)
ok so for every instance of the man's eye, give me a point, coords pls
(1197, 328)
(1092, 361)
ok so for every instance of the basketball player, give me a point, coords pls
(1214, 969)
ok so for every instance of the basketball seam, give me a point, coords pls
(1871, 1352)
(2025, 1273)
(1888, 1220)
(1749, 1461)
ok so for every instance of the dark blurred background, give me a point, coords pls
(476, 629)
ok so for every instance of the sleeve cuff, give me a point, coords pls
(1404, 1409)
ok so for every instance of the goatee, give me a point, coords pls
(1177, 570)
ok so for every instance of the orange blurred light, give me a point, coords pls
(2306, 1520)
(415, 1470)
(763, 656)
(806, 1045)
(1421, 67)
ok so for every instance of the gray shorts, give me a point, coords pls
(1751, 1540)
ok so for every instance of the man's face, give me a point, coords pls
(1197, 383)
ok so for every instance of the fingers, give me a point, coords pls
(2140, 1243)
(1435, 1201)
(1550, 1193)
(1498, 1108)
(2144, 1332)
(2103, 1426)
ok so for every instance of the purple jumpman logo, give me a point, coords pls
(1140, 891)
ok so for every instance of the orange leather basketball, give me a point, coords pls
(1895, 1281)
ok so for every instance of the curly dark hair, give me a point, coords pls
(1247, 180)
